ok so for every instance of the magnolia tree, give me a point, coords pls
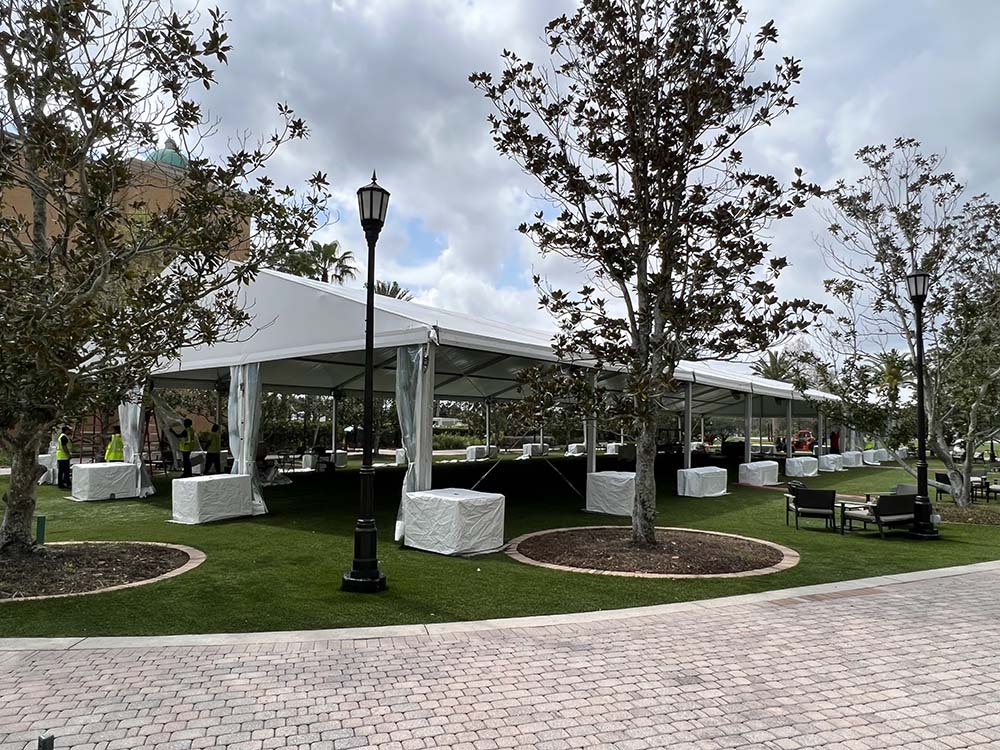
(633, 129)
(110, 264)
(906, 212)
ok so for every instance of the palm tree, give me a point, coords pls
(776, 366)
(331, 263)
(392, 289)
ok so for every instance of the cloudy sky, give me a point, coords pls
(383, 84)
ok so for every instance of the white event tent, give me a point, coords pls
(307, 337)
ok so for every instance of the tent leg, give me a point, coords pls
(788, 429)
(687, 426)
(748, 427)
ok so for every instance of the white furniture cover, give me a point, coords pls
(48, 460)
(702, 481)
(104, 481)
(613, 448)
(804, 466)
(852, 459)
(870, 458)
(903, 452)
(453, 521)
(759, 473)
(474, 452)
(831, 462)
(882, 454)
(212, 498)
(576, 449)
(533, 449)
(611, 492)
(401, 457)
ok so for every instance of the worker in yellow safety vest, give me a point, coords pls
(213, 453)
(116, 449)
(64, 452)
(186, 443)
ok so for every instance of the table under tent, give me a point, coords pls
(307, 338)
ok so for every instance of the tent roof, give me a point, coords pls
(309, 337)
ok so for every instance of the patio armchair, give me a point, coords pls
(807, 503)
(887, 511)
(941, 478)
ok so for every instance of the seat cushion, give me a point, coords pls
(810, 511)
(897, 519)
(860, 514)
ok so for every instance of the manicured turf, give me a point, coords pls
(282, 571)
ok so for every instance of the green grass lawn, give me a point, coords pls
(282, 571)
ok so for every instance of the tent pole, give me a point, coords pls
(488, 434)
(687, 426)
(748, 427)
(788, 429)
(821, 428)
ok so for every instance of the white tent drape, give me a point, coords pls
(244, 426)
(415, 407)
(130, 414)
(169, 419)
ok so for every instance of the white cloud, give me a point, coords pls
(384, 85)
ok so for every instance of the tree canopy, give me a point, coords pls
(633, 129)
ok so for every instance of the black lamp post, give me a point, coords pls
(917, 284)
(373, 200)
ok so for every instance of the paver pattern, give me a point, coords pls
(913, 665)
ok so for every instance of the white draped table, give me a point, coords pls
(104, 481)
(611, 492)
(453, 521)
(702, 481)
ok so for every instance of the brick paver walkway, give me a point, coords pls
(912, 665)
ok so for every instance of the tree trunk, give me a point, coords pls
(644, 512)
(16, 536)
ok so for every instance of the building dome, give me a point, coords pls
(168, 155)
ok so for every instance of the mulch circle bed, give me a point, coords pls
(675, 553)
(79, 568)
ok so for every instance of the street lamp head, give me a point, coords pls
(917, 284)
(373, 201)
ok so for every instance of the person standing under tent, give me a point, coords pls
(835, 441)
(186, 443)
(115, 452)
(64, 452)
(213, 455)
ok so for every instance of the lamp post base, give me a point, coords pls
(363, 585)
(923, 526)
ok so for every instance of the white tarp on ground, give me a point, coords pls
(702, 481)
(803, 466)
(104, 481)
(454, 521)
(212, 498)
(759, 473)
(415, 368)
(831, 462)
(852, 459)
(244, 427)
(611, 492)
(130, 414)
(870, 457)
